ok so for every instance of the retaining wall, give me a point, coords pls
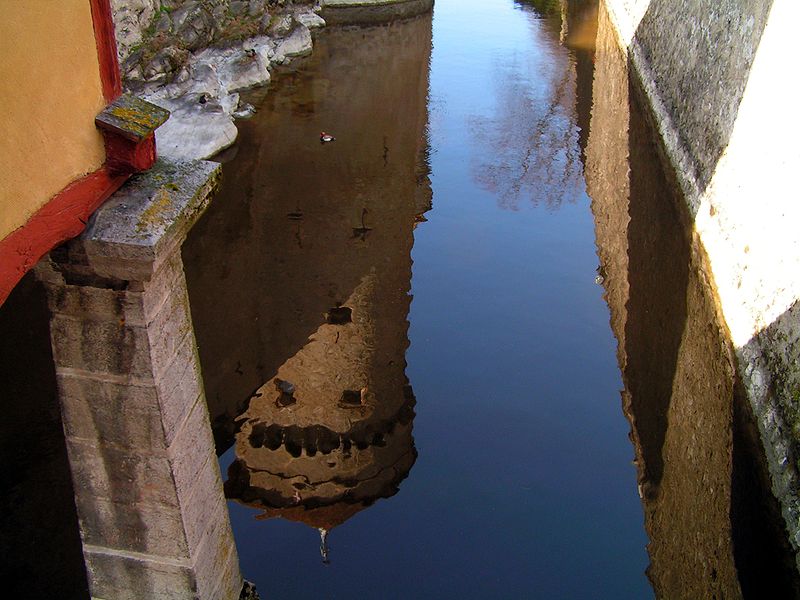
(711, 73)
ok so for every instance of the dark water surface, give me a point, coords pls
(516, 479)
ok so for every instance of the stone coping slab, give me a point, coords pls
(132, 117)
(147, 217)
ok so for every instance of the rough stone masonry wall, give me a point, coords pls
(713, 75)
(194, 57)
(155, 37)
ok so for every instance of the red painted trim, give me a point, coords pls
(106, 40)
(62, 218)
(126, 156)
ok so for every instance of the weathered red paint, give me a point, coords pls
(66, 214)
(127, 156)
(106, 41)
(62, 218)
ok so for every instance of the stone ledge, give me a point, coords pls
(148, 216)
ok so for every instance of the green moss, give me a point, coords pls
(153, 216)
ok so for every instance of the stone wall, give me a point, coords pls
(46, 119)
(710, 73)
(193, 57)
(156, 37)
(346, 12)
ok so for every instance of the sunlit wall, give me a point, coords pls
(50, 92)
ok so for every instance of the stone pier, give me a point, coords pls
(153, 518)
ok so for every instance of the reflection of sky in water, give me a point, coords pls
(523, 485)
(521, 124)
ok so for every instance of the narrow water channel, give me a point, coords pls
(469, 349)
(454, 428)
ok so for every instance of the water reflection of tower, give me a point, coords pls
(330, 430)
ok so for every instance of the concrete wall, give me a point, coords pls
(710, 73)
(50, 91)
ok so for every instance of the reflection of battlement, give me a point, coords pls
(333, 427)
(319, 476)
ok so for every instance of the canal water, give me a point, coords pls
(405, 345)
(469, 349)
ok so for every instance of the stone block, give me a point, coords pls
(149, 216)
(169, 333)
(131, 117)
(167, 282)
(229, 582)
(129, 527)
(100, 347)
(192, 449)
(97, 304)
(121, 414)
(121, 475)
(152, 513)
(203, 504)
(129, 577)
(179, 386)
(212, 559)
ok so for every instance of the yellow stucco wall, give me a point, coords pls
(50, 92)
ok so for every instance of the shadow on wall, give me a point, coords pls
(701, 471)
(40, 547)
(702, 51)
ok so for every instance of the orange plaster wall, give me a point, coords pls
(50, 92)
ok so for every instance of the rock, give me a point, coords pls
(135, 73)
(239, 7)
(182, 12)
(236, 68)
(194, 26)
(204, 80)
(257, 8)
(297, 44)
(249, 592)
(263, 45)
(220, 14)
(163, 23)
(131, 19)
(245, 111)
(282, 26)
(199, 84)
(166, 62)
(243, 71)
(310, 20)
(194, 130)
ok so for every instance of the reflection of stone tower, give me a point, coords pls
(303, 227)
(332, 432)
(698, 471)
(329, 431)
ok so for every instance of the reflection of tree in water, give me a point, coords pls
(546, 8)
(528, 148)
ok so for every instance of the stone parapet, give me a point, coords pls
(347, 12)
(152, 514)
